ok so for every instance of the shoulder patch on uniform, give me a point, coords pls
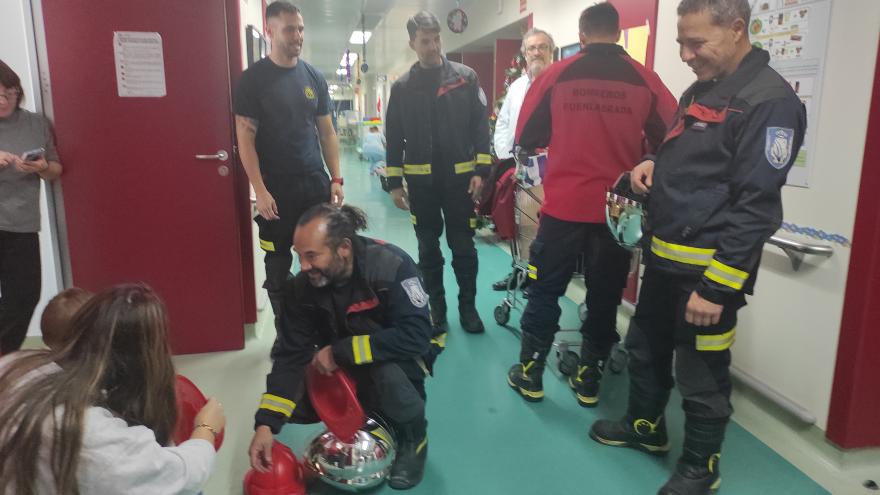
(415, 291)
(310, 93)
(778, 145)
(482, 96)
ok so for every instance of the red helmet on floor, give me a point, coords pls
(284, 478)
(189, 402)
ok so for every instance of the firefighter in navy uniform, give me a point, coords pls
(597, 112)
(358, 304)
(438, 139)
(714, 200)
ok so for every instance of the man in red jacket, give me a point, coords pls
(599, 113)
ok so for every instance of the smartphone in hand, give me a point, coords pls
(33, 155)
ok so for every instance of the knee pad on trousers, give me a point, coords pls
(703, 379)
(396, 396)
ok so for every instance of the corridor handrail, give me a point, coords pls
(796, 250)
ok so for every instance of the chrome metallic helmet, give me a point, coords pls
(625, 213)
(361, 464)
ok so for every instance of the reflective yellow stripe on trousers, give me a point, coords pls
(720, 342)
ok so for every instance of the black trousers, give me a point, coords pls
(294, 194)
(702, 355)
(396, 390)
(553, 259)
(20, 284)
(445, 201)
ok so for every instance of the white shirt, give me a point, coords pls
(505, 125)
(116, 458)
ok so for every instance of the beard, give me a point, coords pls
(535, 68)
(333, 274)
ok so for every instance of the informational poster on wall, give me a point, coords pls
(795, 32)
(140, 65)
(637, 35)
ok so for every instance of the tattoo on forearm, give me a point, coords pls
(250, 124)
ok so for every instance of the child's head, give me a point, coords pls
(374, 129)
(55, 322)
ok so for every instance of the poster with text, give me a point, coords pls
(795, 33)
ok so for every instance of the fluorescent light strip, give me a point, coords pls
(358, 39)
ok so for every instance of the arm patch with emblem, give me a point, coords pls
(413, 288)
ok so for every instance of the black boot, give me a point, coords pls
(470, 319)
(526, 376)
(526, 379)
(436, 295)
(693, 479)
(637, 433)
(438, 314)
(585, 382)
(467, 295)
(412, 453)
(509, 282)
(697, 470)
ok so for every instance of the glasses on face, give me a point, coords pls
(9, 95)
(543, 47)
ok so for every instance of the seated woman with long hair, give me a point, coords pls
(97, 415)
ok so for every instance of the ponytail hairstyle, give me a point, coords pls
(117, 358)
(343, 222)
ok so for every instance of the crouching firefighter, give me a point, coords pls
(358, 304)
(714, 200)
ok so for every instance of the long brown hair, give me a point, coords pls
(117, 358)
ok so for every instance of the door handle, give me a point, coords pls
(221, 155)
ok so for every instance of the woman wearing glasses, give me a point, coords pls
(27, 154)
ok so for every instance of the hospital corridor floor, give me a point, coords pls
(483, 438)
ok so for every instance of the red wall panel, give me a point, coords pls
(482, 64)
(855, 401)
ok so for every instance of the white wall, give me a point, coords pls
(18, 51)
(787, 336)
(251, 13)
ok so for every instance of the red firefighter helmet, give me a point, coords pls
(189, 402)
(285, 477)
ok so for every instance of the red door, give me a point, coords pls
(139, 205)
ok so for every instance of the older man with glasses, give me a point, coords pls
(537, 48)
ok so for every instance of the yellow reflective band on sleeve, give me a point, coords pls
(412, 218)
(472, 223)
(392, 171)
(465, 167)
(440, 340)
(421, 169)
(267, 246)
(484, 159)
(360, 346)
(533, 272)
(682, 254)
(726, 275)
(716, 342)
(277, 404)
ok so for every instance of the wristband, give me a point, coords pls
(207, 427)
(336, 180)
